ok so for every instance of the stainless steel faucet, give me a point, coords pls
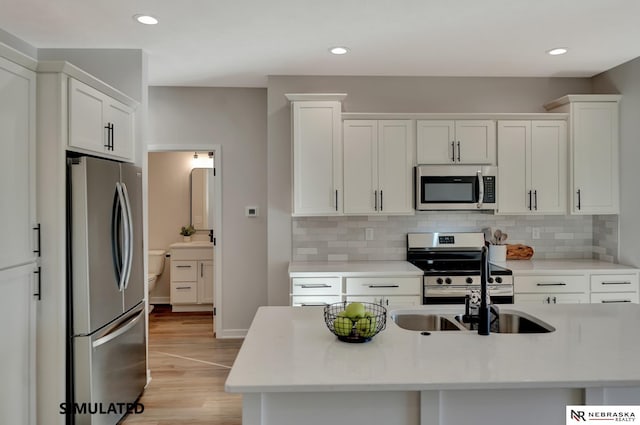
(484, 316)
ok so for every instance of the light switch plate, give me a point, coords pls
(251, 211)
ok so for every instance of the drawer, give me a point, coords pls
(311, 300)
(184, 271)
(384, 286)
(614, 297)
(316, 286)
(192, 254)
(554, 298)
(614, 282)
(184, 292)
(555, 283)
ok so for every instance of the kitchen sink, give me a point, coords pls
(508, 322)
(426, 322)
(514, 323)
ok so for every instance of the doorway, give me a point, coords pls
(178, 197)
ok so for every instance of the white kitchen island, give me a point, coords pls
(291, 370)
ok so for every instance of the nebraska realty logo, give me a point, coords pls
(598, 414)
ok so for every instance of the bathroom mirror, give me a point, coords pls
(201, 201)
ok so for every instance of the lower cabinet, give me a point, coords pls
(551, 289)
(614, 288)
(314, 291)
(390, 292)
(191, 279)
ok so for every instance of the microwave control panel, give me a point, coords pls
(489, 189)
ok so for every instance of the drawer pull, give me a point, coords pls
(183, 267)
(616, 283)
(312, 304)
(183, 287)
(615, 301)
(313, 285)
(551, 284)
(383, 286)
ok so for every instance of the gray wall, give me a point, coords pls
(625, 79)
(236, 119)
(382, 94)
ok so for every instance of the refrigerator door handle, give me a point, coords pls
(122, 265)
(119, 330)
(129, 237)
(116, 249)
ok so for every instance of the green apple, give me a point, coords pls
(355, 310)
(369, 314)
(366, 326)
(342, 326)
(342, 314)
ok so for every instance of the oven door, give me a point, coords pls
(433, 295)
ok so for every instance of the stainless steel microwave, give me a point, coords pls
(455, 187)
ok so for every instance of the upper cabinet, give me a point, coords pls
(593, 147)
(456, 142)
(99, 123)
(532, 162)
(17, 164)
(378, 166)
(317, 154)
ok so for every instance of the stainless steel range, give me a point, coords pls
(451, 264)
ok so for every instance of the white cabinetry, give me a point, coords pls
(390, 292)
(310, 291)
(456, 142)
(99, 123)
(317, 154)
(378, 165)
(551, 289)
(191, 283)
(532, 157)
(614, 288)
(18, 244)
(594, 151)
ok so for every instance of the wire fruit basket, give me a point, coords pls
(359, 328)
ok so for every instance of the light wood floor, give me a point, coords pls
(188, 370)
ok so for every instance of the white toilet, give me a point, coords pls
(156, 265)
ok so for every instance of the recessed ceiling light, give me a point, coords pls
(557, 51)
(339, 50)
(146, 19)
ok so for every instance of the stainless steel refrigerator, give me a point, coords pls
(106, 316)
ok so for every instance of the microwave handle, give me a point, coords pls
(480, 189)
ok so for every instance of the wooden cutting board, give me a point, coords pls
(519, 252)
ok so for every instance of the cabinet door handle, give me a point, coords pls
(530, 201)
(39, 284)
(113, 136)
(383, 286)
(616, 283)
(578, 192)
(453, 151)
(313, 285)
(551, 284)
(381, 204)
(108, 128)
(183, 267)
(555, 300)
(615, 301)
(547, 300)
(458, 150)
(201, 269)
(39, 241)
(183, 287)
(535, 199)
(336, 199)
(375, 200)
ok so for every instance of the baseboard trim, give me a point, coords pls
(232, 333)
(159, 300)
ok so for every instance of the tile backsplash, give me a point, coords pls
(343, 238)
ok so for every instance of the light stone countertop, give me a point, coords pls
(353, 269)
(193, 244)
(564, 266)
(290, 349)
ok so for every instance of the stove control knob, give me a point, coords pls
(439, 281)
(469, 280)
(448, 281)
(498, 280)
(490, 280)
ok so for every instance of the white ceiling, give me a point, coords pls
(240, 42)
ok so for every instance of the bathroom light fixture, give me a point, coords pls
(339, 50)
(557, 51)
(202, 161)
(195, 155)
(145, 19)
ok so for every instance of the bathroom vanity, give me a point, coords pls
(191, 276)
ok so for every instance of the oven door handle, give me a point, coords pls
(480, 189)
